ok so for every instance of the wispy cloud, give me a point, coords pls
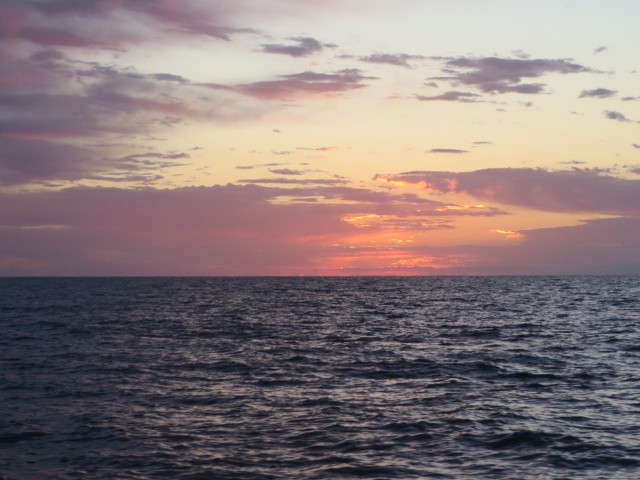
(107, 24)
(306, 83)
(302, 47)
(42, 161)
(295, 181)
(285, 171)
(450, 96)
(397, 59)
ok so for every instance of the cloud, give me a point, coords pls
(306, 83)
(630, 99)
(397, 59)
(617, 116)
(596, 247)
(450, 96)
(295, 181)
(303, 47)
(285, 171)
(635, 145)
(447, 150)
(218, 230)
(55, 103)
(554, 191)
(598, 93)
(41, 161)
(240, 230)
(67, 101)
(258, 165)
(599, 50)
(504, 75)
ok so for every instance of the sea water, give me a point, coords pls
(304, 378)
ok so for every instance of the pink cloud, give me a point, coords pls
(227, 229)
(239, 230)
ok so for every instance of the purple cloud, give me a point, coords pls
(295, 181)
(601, 246)
(598, 93)
(617, 116)
(38, 161)
(505, 75)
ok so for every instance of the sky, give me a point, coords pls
(351, 137)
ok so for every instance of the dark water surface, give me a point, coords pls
(297, 378)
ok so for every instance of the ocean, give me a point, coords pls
(314, 378)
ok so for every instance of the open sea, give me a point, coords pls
(320, 378)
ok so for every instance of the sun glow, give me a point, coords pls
(509, 233)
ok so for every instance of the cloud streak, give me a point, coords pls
(302, 47)
(552, 191)
(306, 83)
(450, 96)
(454, 151)
(396, 59)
